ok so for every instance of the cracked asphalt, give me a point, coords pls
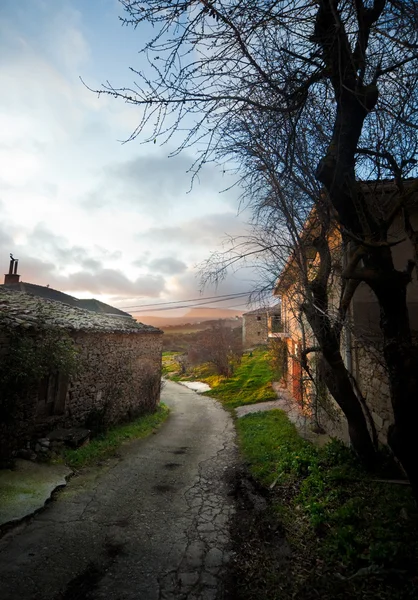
(151, 524)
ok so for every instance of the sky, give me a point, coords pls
(83, 212)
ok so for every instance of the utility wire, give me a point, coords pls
(187, 305)
(194, 306)
(157, 304)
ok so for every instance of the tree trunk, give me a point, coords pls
(338, 382)
(337, 173)
(401, 357)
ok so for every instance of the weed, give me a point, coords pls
(250, 383)
(106, 444)
(334, 513)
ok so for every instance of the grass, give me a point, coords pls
(350, 535)
(170, 366)
(250, 383)
(106, 444)
(270, 444)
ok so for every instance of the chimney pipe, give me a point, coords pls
(12, 277)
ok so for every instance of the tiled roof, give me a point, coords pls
(100, 307)
(28, 311)
(49, 293)
(41, 291)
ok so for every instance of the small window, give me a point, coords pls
(258, 332)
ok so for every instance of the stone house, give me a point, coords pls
(361, 337)
(118, 370)
(260, 325)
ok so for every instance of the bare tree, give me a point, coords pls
(310, 270)
(293, 232)
(356, 62)
(219, 346)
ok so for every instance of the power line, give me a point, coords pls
(190, 305)
(196, 305)
(190, 300)
(214, 298)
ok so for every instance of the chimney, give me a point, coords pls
(12, 277)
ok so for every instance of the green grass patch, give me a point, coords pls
(335, 515)
(204, 372)
(106, 444)
(271, 445)
(250, 383)
(169, 364)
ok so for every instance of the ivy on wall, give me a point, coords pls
(28, 356)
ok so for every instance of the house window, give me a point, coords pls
(52, 393)
(276, 324)
(258, 318)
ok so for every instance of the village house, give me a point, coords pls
(117, 374)
(361, 338)
(260, 325)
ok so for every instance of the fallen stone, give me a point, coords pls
(73, 437)
(26, 454)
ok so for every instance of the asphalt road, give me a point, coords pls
(151, 524)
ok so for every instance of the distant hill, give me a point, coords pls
(193, 316)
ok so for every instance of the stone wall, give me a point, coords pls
(118, 378)
(372, 380)
(254, 329)
(331, 418)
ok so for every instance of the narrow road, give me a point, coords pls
(151, 524)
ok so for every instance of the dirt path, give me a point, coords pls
(150, 525)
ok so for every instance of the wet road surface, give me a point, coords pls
(151, 524)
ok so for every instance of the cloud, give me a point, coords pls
(185, 286)
(98, 281)
(113, 282)
(79, 207)
(164, 176)
(153, 182)
(207, 231)
(91, 264)
(45, 242)
(167, 265)
(49, 259)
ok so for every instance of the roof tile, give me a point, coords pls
(29, 311)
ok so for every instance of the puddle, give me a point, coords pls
(196, 386)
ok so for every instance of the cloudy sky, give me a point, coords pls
(83, 212)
